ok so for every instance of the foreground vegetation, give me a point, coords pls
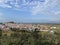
(23, 37)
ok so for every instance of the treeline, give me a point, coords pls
(24, 37)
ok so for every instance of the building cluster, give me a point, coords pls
(29, 27)
(6, 27)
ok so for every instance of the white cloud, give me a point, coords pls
(18, 3)
(4, 5)
(49, 6)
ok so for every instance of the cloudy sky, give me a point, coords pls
(30, 11)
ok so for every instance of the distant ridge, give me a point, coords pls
(28, 23)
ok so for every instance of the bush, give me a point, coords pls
(0, 32)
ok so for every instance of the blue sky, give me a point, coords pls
(30, 11)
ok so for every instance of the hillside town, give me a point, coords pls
(8, 27)
(19, 33)
(29, 27)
